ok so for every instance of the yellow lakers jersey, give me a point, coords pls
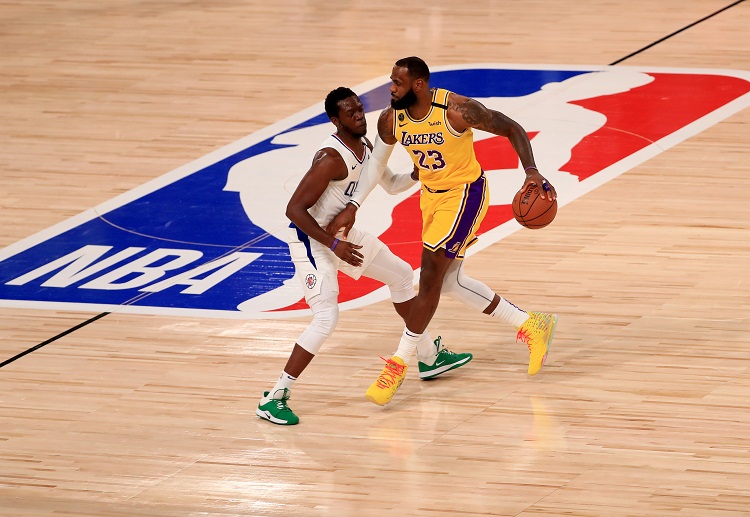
(444, 156)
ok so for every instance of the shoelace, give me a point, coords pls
(524, 337)
(447, 352)
(442, 350)
(390, 372)
(281, 403)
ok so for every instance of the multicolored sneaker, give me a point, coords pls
(445, 361)
(536, 333)
(382, 390)
(276, 410)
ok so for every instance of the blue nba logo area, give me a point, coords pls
(207, 239)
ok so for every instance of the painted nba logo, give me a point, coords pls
(208, 239)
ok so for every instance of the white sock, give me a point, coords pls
(509, 313)
(285, 381)
(407, 345)
(426, 350)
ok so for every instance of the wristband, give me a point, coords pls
(335, 243)
(354, 203)
(531, 167)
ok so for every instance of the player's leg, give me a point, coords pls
(535, 329)
(477, 295)
(433, 267)
(421, 309)
(398, 276)
(394, 272)
(318, 275)
(450, 220)
(273, 406)
(382, 264)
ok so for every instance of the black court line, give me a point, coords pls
(55, 338)
(686, 27)
(99, 316)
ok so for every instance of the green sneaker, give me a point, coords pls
(276, 410)
(445, 361)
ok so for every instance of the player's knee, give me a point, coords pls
(434, 269)
(321, 327)
(402, 285)
(430, 285)
(325, 320)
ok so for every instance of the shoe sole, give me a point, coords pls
(549, 343)
(265, 415)
(372, 399)
(551, 335)
(439, 371)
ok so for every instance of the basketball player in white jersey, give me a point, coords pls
(318, 256)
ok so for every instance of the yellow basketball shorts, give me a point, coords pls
(451, 218)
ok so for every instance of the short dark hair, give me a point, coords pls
(333, 98)
(417, 68)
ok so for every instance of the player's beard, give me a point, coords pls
(409, 99)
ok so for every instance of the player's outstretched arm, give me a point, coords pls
(465, 112)
(327, 166)
(396, 183)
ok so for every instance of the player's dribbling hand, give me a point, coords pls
(546, 190)
(347, 252)
(343, 221)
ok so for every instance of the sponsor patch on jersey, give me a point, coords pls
(208, 239)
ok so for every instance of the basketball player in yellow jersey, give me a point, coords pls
(435, 127)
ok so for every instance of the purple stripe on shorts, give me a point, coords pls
(472, 206)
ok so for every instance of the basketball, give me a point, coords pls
(532, 211)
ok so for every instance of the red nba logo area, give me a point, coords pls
(208, 239)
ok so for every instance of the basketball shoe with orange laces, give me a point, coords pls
(382, 390)
(537, 333)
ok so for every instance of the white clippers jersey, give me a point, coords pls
(338, 193)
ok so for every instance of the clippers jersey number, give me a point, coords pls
(350, 188)
(430, 156)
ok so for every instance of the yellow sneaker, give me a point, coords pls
(537, 332)
(382, 390)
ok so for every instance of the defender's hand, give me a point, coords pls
(347, 252)
(343, 221)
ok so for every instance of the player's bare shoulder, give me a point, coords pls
(465, 112)
(329, 163)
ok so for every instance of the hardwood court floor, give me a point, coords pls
(643, 409)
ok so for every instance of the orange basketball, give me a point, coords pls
(532, 211)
